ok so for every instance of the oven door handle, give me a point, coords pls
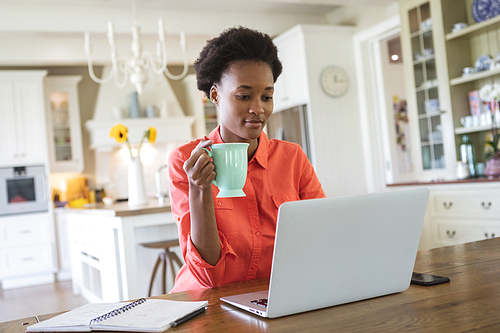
(45, 181)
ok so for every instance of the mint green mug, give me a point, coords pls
(231, 161)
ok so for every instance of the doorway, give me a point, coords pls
(392, 91)
(382, 105)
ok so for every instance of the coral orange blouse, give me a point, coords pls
(278, 172)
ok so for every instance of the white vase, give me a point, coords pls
(136, 188)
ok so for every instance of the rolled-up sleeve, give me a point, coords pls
(205, 274)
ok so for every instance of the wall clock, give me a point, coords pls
(334, 81)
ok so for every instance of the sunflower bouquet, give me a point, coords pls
(120, 133)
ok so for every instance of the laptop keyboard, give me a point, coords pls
(261, 302)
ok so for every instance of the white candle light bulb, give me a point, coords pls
(110, 32)
(183, 40)
(87, 42)
(161, 30)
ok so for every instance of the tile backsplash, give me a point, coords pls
(152, 158)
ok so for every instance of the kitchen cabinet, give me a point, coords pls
(434, 59)
(22, 122)
(291, 88)
(27, 253)
(63, 123)
(429, 101)
(471, 42)
(459, 213)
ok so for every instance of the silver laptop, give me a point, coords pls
(339, 250)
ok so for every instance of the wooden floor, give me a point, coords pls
(30, 301)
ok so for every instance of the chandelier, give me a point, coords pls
(136, 65)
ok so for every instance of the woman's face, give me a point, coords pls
(244, 97)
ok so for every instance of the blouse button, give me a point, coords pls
(178, 219)
(257, 233)
(219, 203)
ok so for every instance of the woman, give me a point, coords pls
(226, 240)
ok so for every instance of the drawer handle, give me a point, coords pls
(447, 206)
(27, 259)
(488, 206)
(487, 237)
(25, 231)
(450, 234)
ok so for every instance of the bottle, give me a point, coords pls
(468, 155)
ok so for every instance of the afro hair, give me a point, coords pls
(234, 44)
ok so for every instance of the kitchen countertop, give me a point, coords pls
(121, 209)
(448, 182)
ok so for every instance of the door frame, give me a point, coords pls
(371, 103)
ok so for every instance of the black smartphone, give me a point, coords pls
(428, 279)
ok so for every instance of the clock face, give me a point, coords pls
(334, 81)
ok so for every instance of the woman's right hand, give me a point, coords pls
(198, 167)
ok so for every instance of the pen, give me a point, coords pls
(188, 317)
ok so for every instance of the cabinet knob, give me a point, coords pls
(486, 206)
(450, 234)
(447, 205)
(488, 236)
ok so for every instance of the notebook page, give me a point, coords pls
(77, 319)
(153, 315)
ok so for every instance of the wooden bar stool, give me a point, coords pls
(166, 258)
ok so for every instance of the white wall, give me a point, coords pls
(335, 123)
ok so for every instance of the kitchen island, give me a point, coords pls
(107, 262)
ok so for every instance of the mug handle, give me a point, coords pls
(210, 154)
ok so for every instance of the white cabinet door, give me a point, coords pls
(26, 245)
(452, 232)
(24, 230)
(291, 86)
(8, 152)
(428, 91)
(22, 118)
(18, 262)
(63, 123)
(30, 123)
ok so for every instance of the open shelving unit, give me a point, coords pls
(471, 42)
(475, 76)
(474, 28)
(438, 57)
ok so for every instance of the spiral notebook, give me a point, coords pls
(151, 315)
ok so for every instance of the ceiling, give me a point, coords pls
(255, 6)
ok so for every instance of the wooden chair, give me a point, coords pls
(167, 258)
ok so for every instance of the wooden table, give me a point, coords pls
(470, 302)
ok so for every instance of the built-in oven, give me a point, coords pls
(23, 189)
